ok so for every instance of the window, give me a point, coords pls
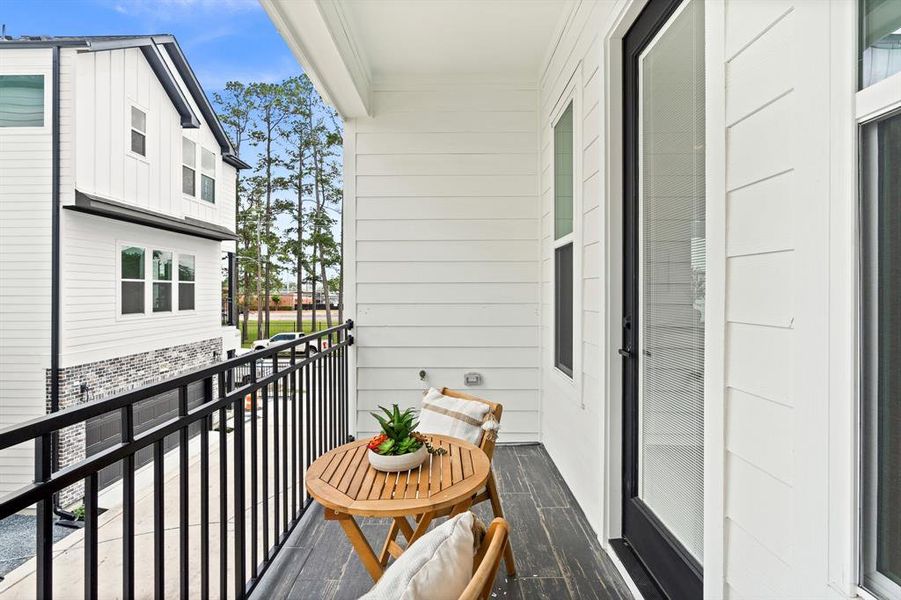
(185, 282)
(138, 131)
(879, 56)
(207, 175)
(563, 242)
(162, 281)
(188, 168)
(132, 280)
(880, 177)
(21, 100)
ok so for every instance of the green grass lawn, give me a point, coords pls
(277, 327)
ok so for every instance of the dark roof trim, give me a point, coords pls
(188, 118)
(149, 45)
(102, 207)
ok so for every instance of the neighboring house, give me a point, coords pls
(117, 202)
(667, 235)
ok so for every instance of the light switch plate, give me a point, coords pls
(472, 379)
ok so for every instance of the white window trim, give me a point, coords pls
(48, 99)
(142, 157)
(182, 165)
(869, 104)
(214, 177)
(148, 313)
(173, 291)
(177, 281)
(572, 93)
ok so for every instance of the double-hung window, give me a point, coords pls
(564, 183)
(188, 167)
(138, 131)
(207, 175)
(131, 274)
(877, 102)
(162, 281)
(21, 100)
(185, 282)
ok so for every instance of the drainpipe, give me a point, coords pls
(55, 279)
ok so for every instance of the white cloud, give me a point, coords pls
(168, 10)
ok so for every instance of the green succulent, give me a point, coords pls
(398, 426)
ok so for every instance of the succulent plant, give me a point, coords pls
(397, 432)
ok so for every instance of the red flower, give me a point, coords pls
(375, 442)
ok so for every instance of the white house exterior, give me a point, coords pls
(666, 235)
(117, 201)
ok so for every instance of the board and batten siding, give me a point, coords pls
(111, 82)
(25, 250)
(444, 265)
(573, 412)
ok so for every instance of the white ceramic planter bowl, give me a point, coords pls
(403, 462)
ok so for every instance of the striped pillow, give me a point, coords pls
(462, 419)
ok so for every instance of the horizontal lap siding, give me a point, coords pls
(775, 299)
(446, 247)
(25, 269)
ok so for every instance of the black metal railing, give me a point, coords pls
(291, 408)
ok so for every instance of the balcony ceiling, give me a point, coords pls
(446, 39)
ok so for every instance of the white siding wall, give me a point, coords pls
(774, 121)
(109, 84)
(445, 277)
(25, 209)
(573, 413)
(92, 328)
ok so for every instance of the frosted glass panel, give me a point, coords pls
(563, 174)
(672, 274)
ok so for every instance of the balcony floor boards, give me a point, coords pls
(558, 555)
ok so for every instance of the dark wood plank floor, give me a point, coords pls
(557, 554)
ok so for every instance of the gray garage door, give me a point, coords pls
(104, 431)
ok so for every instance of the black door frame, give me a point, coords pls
(674, 569)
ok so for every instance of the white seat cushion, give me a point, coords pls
(438, 566)
(462, 419)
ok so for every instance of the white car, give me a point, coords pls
(281, 338)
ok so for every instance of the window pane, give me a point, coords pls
(138, 143)
(187, 181)
(162, 297)
(132, 297)
(563, 174)
(132, 263)
(188, 152)
(881, 332)
(185, 296)
(185, 267)
(880, 40)
(138, 119)
(207, 162)
(207, 188)
(563, 308)
(21, 100)
(162, 265)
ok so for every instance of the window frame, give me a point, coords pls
(178, 283)
(131, 128)
(193, 168)
(570, 95)
(873, 103)
(211, 176)
(46, 80)
(150, 279)
(173, 257)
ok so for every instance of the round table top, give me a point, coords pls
(343, 480)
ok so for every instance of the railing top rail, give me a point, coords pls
(45, 424)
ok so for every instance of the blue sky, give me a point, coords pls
(222, 39)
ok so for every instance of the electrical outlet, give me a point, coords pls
(471, 379)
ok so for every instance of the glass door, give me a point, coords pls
(665, 274)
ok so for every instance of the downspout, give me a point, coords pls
(55, 278)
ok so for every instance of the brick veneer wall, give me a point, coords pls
(108, 377)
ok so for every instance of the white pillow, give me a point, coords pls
(462, 419)
(438, 566)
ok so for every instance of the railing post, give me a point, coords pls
(44, 529)
(128, 505)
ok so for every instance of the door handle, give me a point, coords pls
(625, 353)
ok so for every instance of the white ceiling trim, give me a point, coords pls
(329, 60)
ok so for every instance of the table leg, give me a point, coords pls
(360, 544)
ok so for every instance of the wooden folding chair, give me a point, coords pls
(487, 560)
(489, 492)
